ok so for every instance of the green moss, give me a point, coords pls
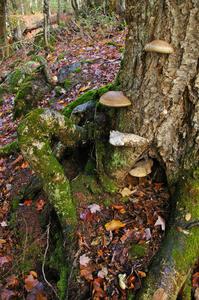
(107, 202)
(62, 283)
(9, 149)
(15, 79)
(3, 89)
(57, 261)
(61, 56)
(67, 84)
(117, 160)
(90, 167)
(88, 96)
(137, 251)
(21, 106)
(78, 70)
(108, 184)
(85, 184)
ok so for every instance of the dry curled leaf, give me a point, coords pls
(94, 208)
(40, 204)
(30, 282)
(160, 221)
(125, 192)
(114, 225)
(86, 272)
(84, 260)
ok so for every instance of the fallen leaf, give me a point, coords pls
(97, 290)
(120, 208)
(84, 88)
(12, 281)
(4, 260)
(160, 222)
(103, 272)
(34, 274)
(3, 224)
(87, 273)
(126, 192)
(7, 294)
(114, 225)
(148, 234)
(30, 282)
(94, 208)
(2, 241)
(27, 202)
(195, 280)
(188, 217)
(141, 274)
(40, 204)
(131, 281)
(122, 281)
(24, 165)
(84, 260)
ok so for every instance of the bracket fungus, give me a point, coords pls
(114, 99)
(159, 46)
(118, 138)
(142, 168)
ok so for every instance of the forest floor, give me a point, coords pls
(109, 264)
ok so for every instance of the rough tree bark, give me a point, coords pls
(3, 30)
(164, 91)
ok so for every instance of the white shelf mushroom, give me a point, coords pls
(159, 46)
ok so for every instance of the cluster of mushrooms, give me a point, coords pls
(117, 99)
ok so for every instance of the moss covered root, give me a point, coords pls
(180, 249)
(34, 135)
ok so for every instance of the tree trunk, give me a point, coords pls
(164, 90)
(58, 11)
(46, 13)
(3, 29)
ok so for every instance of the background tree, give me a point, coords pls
(3, 29)
(46, 12)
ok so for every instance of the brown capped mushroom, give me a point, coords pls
(114, 99)
(159, 46)
(142, 168)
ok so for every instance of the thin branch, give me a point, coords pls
(44, 261)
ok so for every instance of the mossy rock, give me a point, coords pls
(88, 96)
(31, 91)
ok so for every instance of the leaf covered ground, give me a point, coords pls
(116, 239)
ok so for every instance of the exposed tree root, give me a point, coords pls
(35, 135)
(180, 249)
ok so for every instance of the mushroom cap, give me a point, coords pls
(114, 99)
(142, 168)
(159, 46)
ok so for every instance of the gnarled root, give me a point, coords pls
(34, 135)
(180, 249)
